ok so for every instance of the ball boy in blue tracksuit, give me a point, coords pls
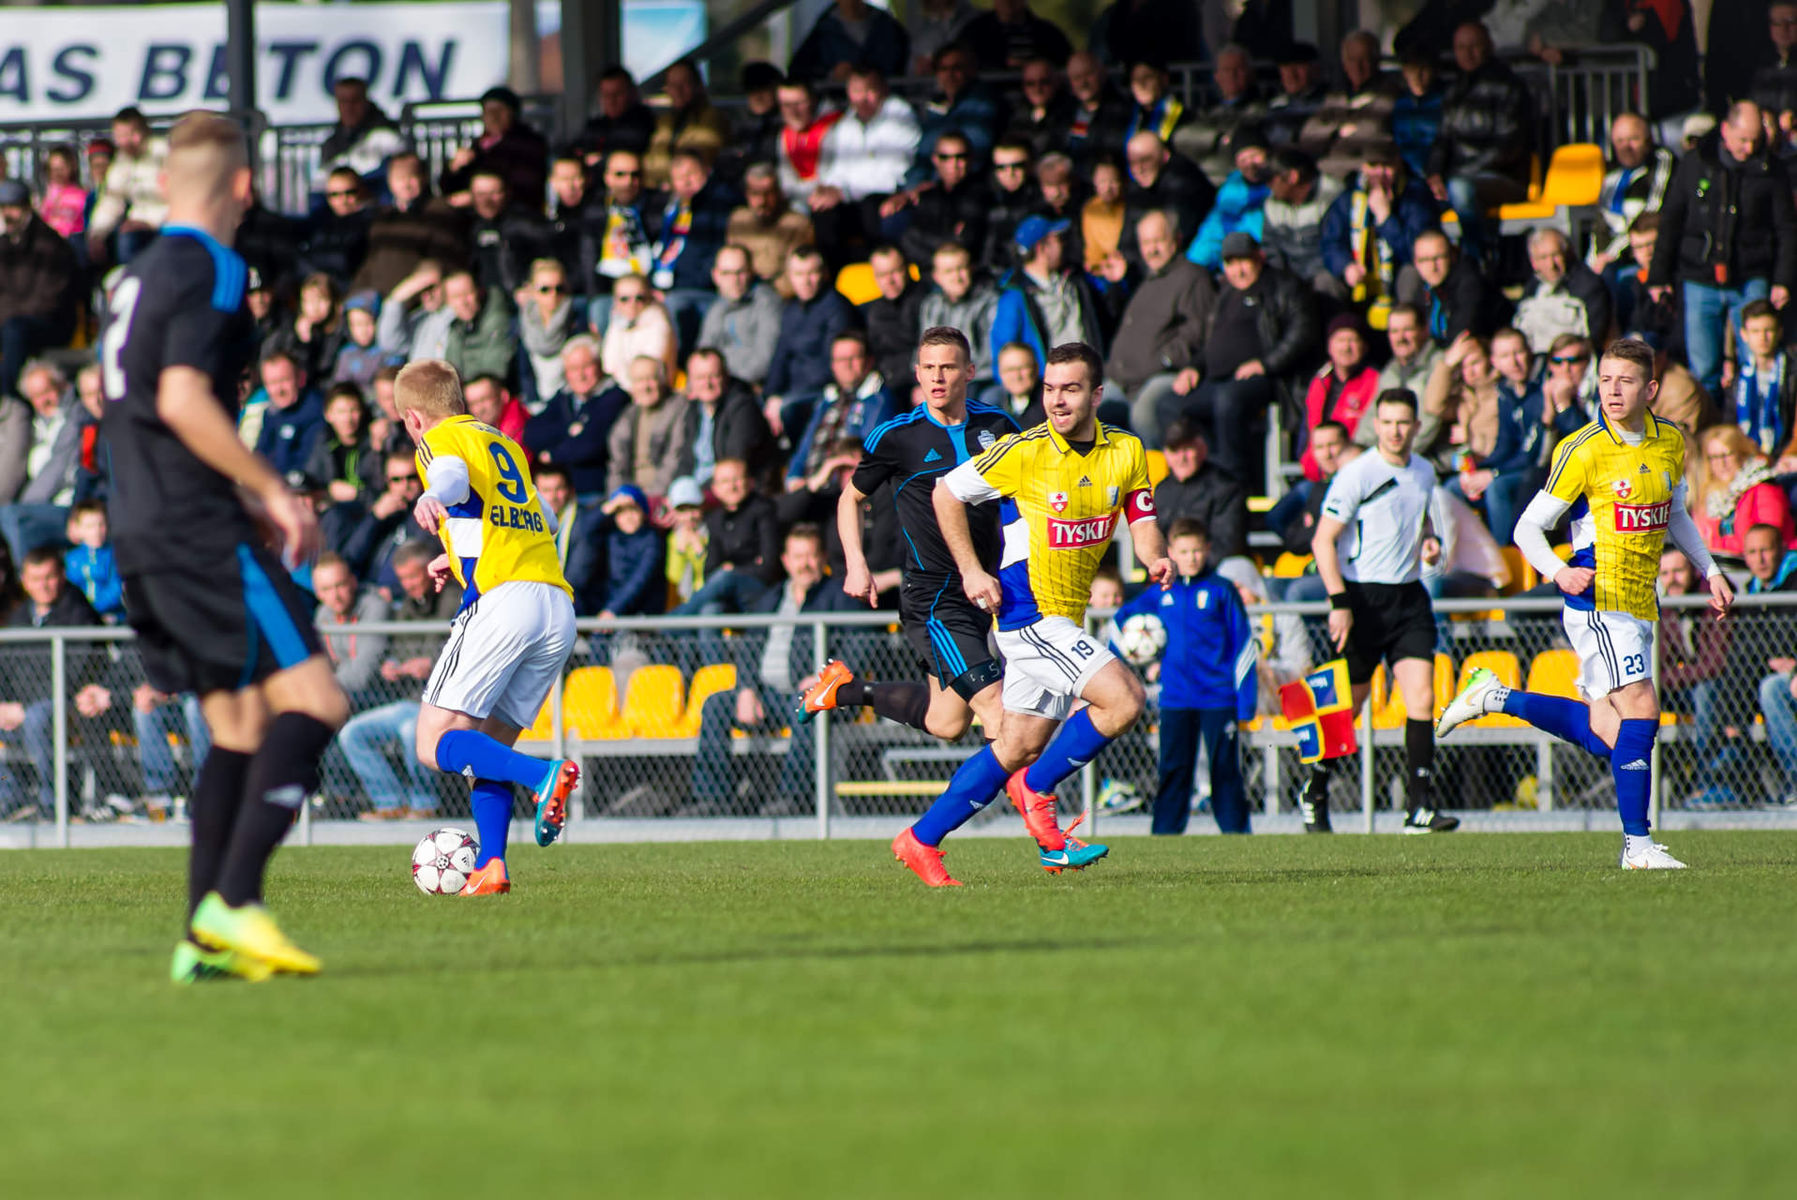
(1208, 682)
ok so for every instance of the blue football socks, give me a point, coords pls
(472, 753)
(973, 786)
(1076, 743)
(1569, 720)
(1632, 768)
(492, 818)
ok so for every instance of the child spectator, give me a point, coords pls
(1208, 683)
(1101, 219)
(316, 335)
(633, 584)
(1106, 592)
(687, 540)
(343, 462)
(90, 566)
(63, 206)
(360, 357)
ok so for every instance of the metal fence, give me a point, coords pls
(650, 707)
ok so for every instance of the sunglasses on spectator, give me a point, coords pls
(346, 194)
(1563, 359)
(1010, 166)
(551, 289)
(945, 156)
(627, 298)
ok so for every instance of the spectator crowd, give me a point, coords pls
(690, 315)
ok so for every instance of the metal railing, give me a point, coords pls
(648, 755)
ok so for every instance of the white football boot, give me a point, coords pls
(1655, 858)
(1482, 694)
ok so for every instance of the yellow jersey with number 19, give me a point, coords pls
(1058, 508)
(497, 533)
(1622, 498)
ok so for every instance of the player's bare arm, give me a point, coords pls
(1329, 569)
(951, 518)
(857, 580)
(1151, 548)
(186, 404)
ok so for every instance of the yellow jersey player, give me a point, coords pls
(1061, 488)
(1621, 478)
(515, 629)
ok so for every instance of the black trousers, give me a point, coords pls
(1182, 729)
(1232, 414)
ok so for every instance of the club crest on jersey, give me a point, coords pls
(1058, 501)
(1624, 489)
(987, 441)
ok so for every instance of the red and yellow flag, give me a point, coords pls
(1320, 710)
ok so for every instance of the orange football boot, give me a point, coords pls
(490, 880)
(925, 861)
(1038, 813)
(821, 696)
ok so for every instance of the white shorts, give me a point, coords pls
(1614, 649)
(505, 651)
(1047, 666)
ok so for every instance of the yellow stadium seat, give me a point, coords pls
(1157, 467)
(652, 702)
(707, 682)
(590, 704)
(1555, 673)
(1563, 551)
(1503, 664)
(1290, 566)
(1575, 179)
(1388, 704)
(1522, 575)
(543, 728)
(856, 282)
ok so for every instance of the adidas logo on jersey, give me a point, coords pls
(1085, 481)
(932, 456)
(1639, 764)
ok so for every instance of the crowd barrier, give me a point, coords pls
(646, 705)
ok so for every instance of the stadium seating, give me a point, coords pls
(708, 681)
(590, 704)
(652, 702)
(1555, 673)
(856, 282)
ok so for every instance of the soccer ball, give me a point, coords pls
(443, 861)
(1142, 639)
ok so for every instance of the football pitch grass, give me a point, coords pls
(1498, 1015)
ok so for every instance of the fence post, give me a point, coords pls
(59, 730)
(820, 767)
(1366, 765)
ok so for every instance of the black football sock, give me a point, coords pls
(217, 796)
(283, 774)
(1316, 788)
(1419, 761)
(906, 703)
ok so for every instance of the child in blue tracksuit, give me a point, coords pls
(90, 564)
(1208, 683)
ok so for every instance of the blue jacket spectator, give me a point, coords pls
(93, 570)
(1209, 659)
(876, 40)
(1416, 114)
(293, 418)
(800, 366)
(1019, 315)
(1238, 206)
(634, 585)
(584, 567)
(573, 427)
(856, 400)
(1412, 213)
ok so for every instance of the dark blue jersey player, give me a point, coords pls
(214, 608)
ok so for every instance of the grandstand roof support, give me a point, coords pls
(240, 58)
(592, 34)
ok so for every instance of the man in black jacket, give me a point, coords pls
(1450, 291)
(1160, 179)
(623, 121)
(38, 284)
(505, 237)
(1093, 125)
(1564, 296)
(742, 551)
(1013, 196)
(891, 318)
(1196, 488)
(1728, 233)
(387, 524)
(1160, 338)
(26, 705)
(950, 208)
(574, 427)
(1481, 154)
(1262, 335)
(723, 421)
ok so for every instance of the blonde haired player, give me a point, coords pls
(1622, 480)
(515, 629)
(1062, 487)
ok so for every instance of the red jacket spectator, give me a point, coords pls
(1344, 390)
(1739, 493)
